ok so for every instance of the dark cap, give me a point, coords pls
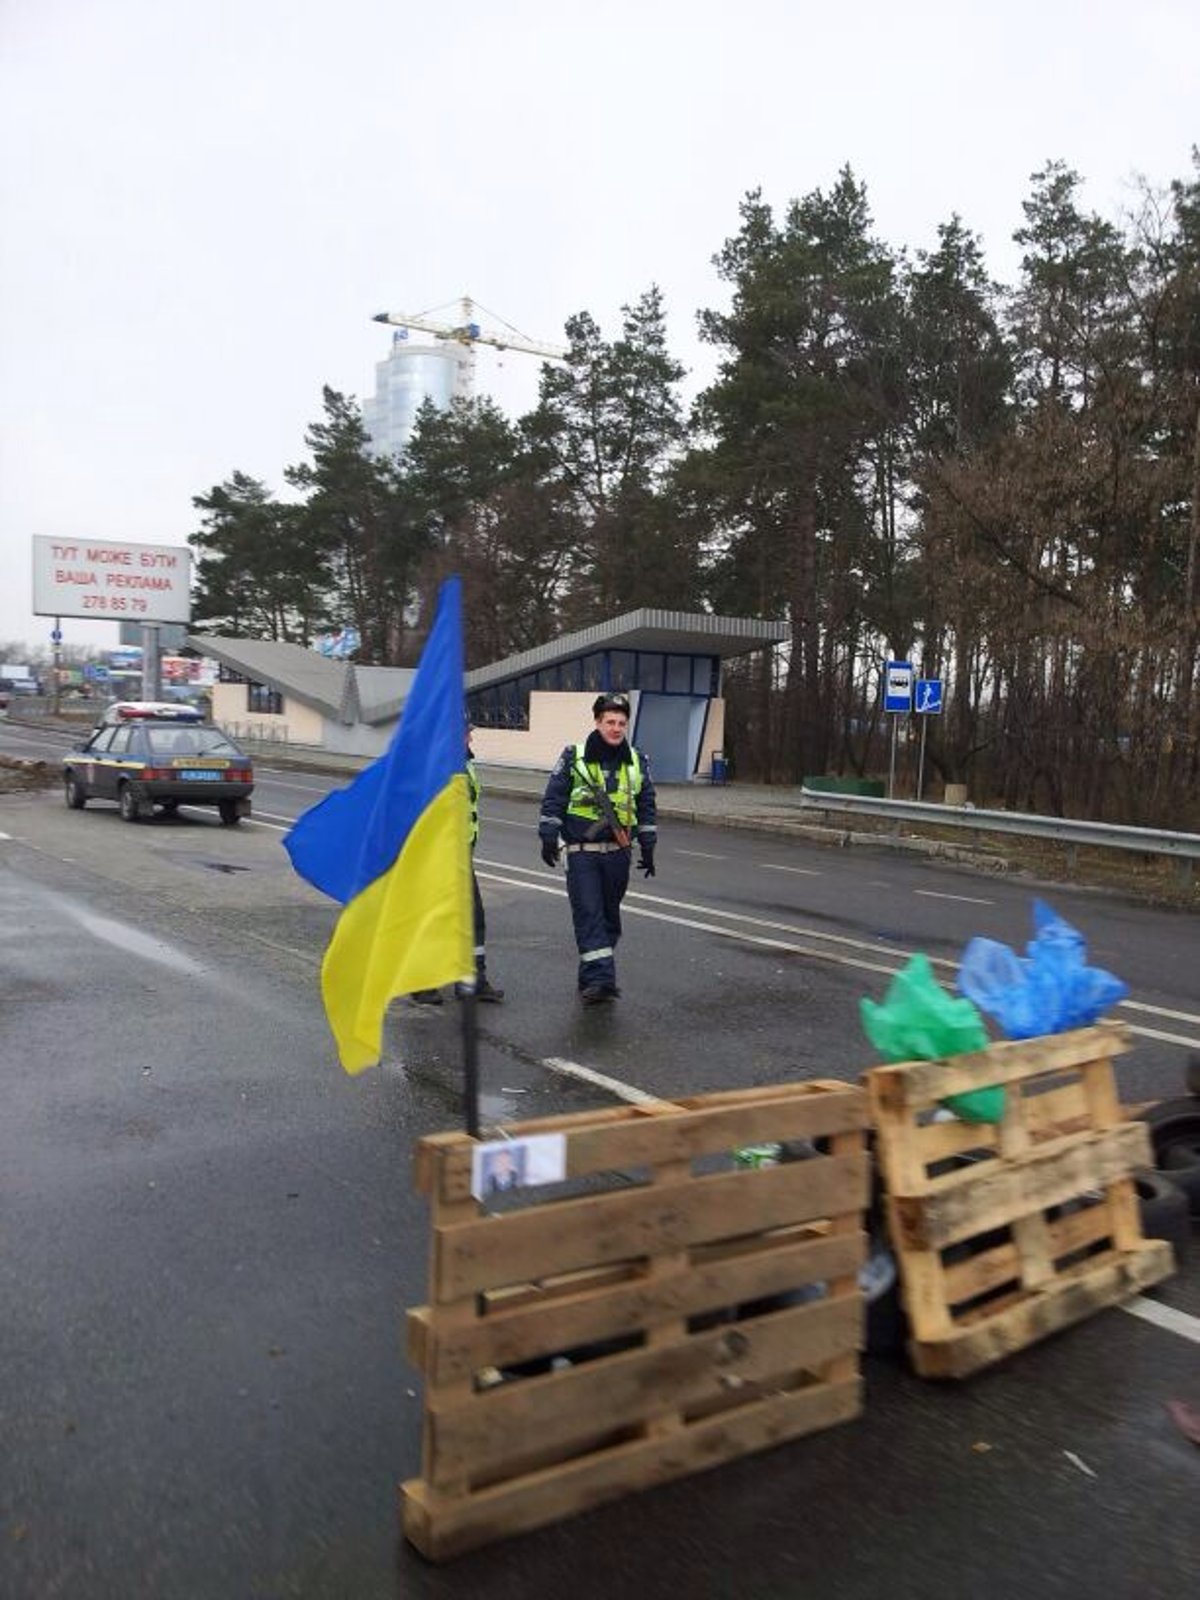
(610, 702)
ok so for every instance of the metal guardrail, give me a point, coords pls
(1184, 848)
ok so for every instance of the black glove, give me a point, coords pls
(550, 852)
(646, 860)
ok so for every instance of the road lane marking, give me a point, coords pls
(1160, 1011)
(1187, 1041)
(601, 1080)
(706, 855)
(897, 956)
(966, 899)
(282, 783)
(1180, 1322)
(804, 872)
(706, 927)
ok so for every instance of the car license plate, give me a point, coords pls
(198, 774)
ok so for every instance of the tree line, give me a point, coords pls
(898, 455)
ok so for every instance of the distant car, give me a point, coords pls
(166, 757)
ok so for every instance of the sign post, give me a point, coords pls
(897, 699)
(56, 641)
(928, 704)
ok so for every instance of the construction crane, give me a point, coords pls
(468, 334)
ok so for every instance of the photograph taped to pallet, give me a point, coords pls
(505, 1164)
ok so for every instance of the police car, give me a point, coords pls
(147, 753)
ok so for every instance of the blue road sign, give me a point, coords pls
(897, 686)
(929, 696)
(56, 636)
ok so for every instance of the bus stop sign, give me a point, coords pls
(898, 686)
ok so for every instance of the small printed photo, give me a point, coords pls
(504, 1164)
(503, 1168)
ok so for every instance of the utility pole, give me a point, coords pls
(151, 663)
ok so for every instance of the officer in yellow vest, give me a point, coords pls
(484, 988)
(600, 799)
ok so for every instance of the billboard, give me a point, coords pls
(106, 581)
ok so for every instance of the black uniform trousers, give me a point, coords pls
(596, 884)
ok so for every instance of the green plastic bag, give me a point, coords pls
(919, 1021)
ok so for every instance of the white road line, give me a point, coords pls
(304, 788)
(708, 927)
(706, 855)
(803, 872)
(1180, 1322)
(1160, 1011)
(601, 1080)
(965, 899)
(897, 957)
(259, 817)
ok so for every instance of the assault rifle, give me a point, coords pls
(608, 812)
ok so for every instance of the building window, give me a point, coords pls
(623, 664)
(650, 671)
(263, 700)
(593, 672)
(704, 675)
(679, 675)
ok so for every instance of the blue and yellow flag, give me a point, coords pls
(393, 848)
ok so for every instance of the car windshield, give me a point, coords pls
(188, 740)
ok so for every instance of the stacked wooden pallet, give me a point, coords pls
(1006, 1233)
(651, 1316)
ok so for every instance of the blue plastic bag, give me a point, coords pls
(1049, 990)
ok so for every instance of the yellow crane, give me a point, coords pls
(468, 333)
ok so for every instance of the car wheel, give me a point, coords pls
(1182, 1166)
(127, 804)
(1174, 1132)
(230, 815)
(1164, 1211)
(73, 789)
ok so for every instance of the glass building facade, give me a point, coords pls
(506, 704)
(412, 374)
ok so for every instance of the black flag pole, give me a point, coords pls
(470, 1045)
(466, 989)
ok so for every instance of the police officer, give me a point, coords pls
(600, 798)
(484, 988)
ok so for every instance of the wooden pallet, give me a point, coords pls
(1006, 1233)
(659, 1281)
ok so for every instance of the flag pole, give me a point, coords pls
(470, 1045)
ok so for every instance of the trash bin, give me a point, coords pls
(719, 772)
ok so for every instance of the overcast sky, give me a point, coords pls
(204, 201)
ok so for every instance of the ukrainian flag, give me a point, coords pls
(393, 848)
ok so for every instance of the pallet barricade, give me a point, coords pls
(1006, 1233)
(669, 1317)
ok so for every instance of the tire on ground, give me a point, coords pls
(1164, 1211)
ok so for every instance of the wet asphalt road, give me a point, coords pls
(209, 1233)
